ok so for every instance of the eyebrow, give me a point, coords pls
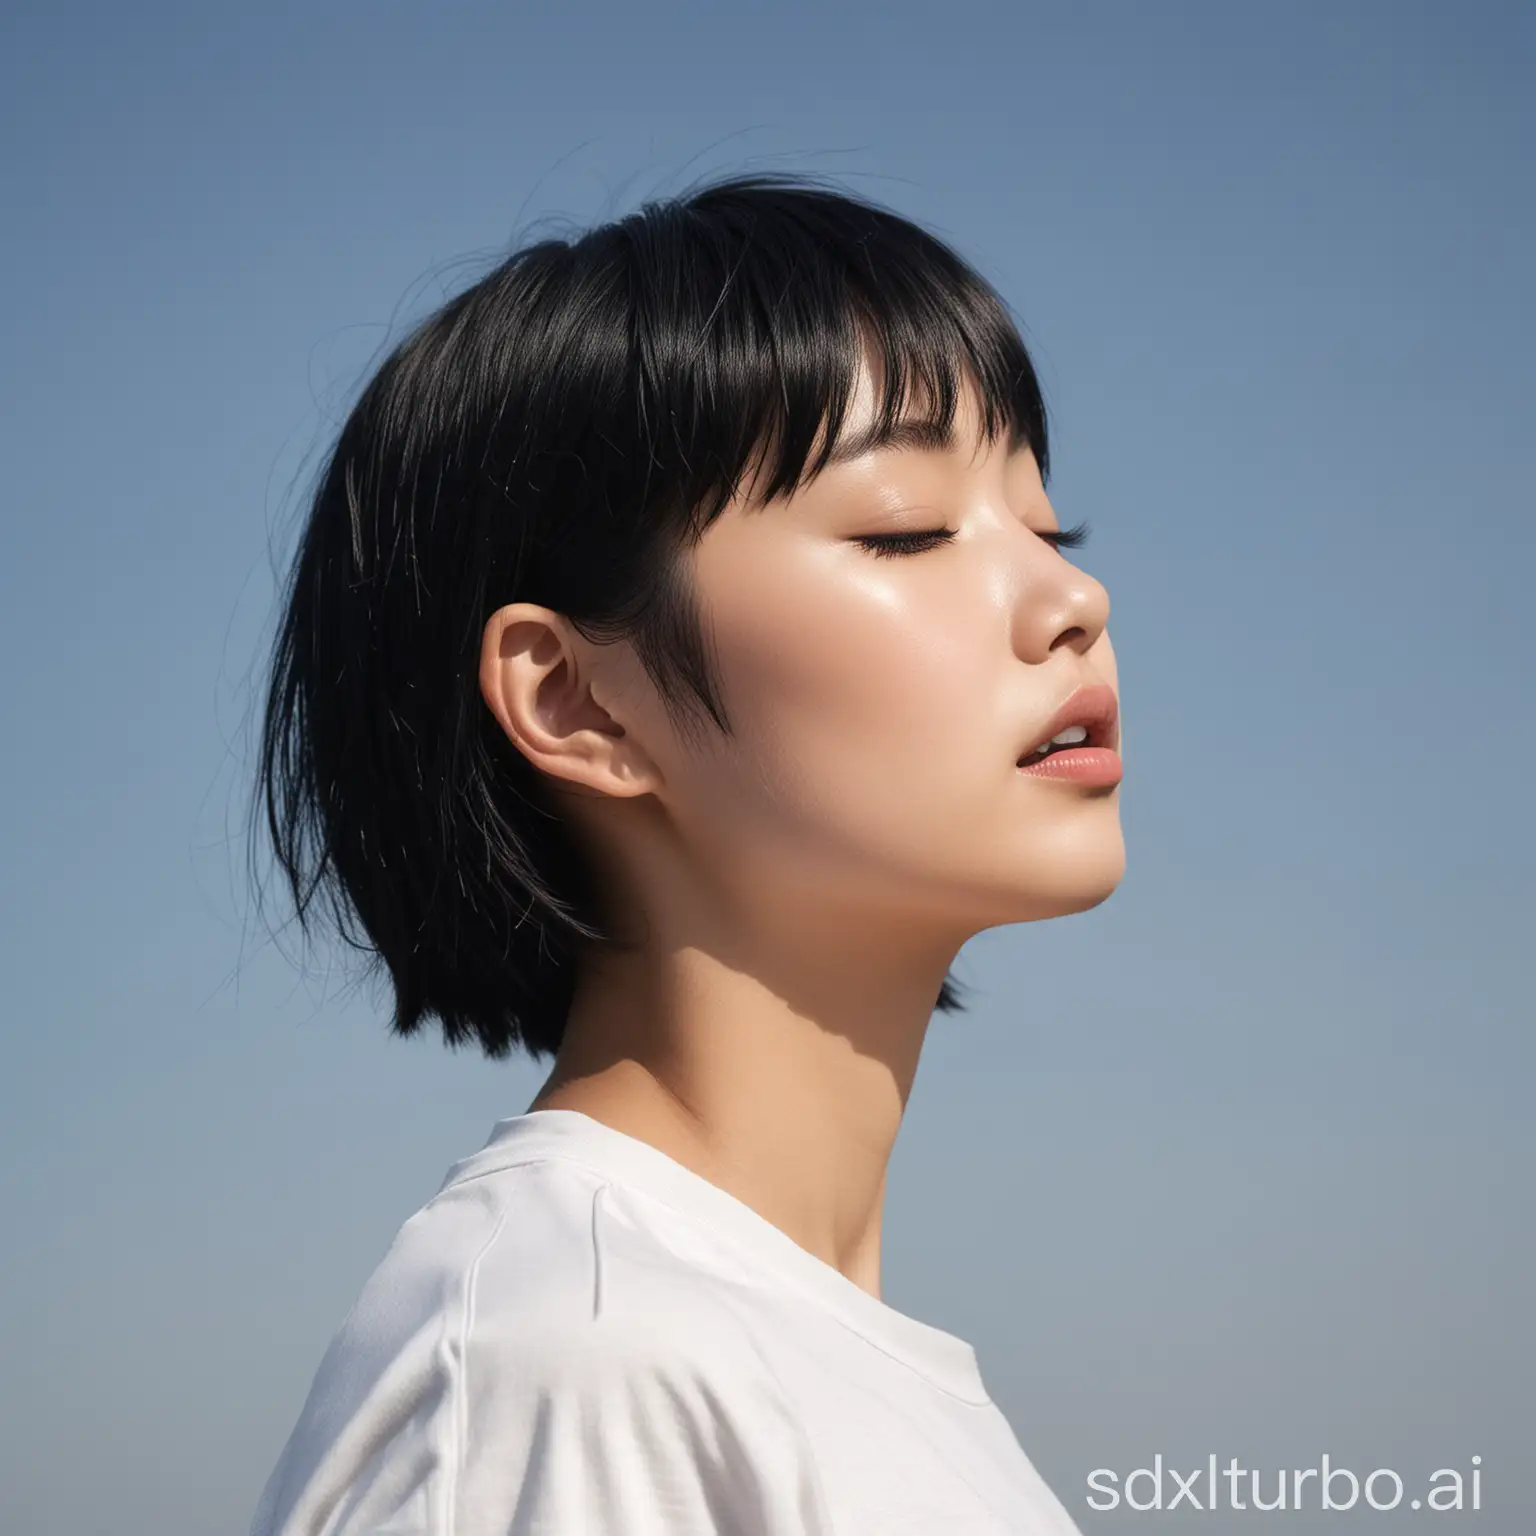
(913, 433)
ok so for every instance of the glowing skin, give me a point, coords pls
(801, 889)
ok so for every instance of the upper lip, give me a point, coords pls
(1092, 706)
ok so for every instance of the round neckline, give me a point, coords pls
(946, 1361)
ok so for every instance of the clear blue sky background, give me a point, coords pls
(1241, 1161)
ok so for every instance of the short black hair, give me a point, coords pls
(560, 433)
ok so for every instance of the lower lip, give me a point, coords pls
(1081, 765)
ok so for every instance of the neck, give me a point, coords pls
(794, 1110)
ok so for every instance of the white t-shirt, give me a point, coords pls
(577, 1336)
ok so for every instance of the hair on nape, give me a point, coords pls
(561, 433)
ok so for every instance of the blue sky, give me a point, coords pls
(1238, 1162)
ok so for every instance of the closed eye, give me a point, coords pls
(887, 545)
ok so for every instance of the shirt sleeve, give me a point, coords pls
(631, 1428)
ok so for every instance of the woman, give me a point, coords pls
(678, 667)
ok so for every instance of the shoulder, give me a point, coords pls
(535, 1331)
(585, 1283)
(588, 1305)
(551, 1274)
(608, 1384)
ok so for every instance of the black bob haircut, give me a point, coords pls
(562, 433)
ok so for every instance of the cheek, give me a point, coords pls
(851, 705)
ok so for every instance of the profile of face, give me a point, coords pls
(880, 702)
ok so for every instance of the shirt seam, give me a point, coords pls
(458, 1427)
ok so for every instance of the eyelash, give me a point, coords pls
(894, 545)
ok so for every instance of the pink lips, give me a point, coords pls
(1097, 761)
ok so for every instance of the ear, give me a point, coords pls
(542, 681)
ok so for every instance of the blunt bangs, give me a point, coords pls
(753, 362)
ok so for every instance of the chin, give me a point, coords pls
(1087, 903)
(1074, 885)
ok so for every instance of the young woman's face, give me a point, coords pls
(880, 702)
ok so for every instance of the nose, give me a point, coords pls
(1055, 604)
